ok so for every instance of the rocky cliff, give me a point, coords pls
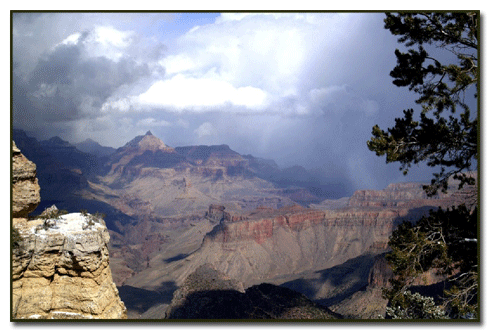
(368, 303)
(271, 243)
(60, 263)
(25, 187)
(410, 195)
(59, 183)
(267, 244)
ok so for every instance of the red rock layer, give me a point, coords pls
(262, 228)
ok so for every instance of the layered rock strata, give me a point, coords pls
(410, 194)
(61, 270)
(60, 263)
(294, 241)
(270, 243)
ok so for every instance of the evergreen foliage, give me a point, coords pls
(446, 242)
(419, 307)
(444, 136)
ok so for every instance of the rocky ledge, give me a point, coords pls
(61, 270)
(60, 263)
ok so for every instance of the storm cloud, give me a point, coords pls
(300, 88)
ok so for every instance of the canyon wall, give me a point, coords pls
(293, 241)
(268, 244)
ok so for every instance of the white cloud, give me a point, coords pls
(257, 51)
(243, 63)
(105, 41)
(308, 17)
(254, 62)
(251, 61)
(183, 93)
(178, 64)
(71, 39)
(101, 41)
(122, 105)
(206, 129)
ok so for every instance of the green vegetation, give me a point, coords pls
(421, 307)
(443, 242)
(444, 136)
(92, 218)
(50, 216)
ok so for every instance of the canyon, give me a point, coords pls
(169, 211)
(328, 255)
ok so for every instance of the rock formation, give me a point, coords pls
(217, 213)
(268, 245)
(368, 303)
(60, 263)
(58, 182)
(25, 188)
(209, 294)
(410, 195)
(325, 254)
(380, 273)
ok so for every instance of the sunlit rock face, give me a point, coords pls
(61, 270)
(60, 263)
(25, 188)
(269, 243)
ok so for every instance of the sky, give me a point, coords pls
(299, 88)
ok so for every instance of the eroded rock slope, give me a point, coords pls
(209, 294)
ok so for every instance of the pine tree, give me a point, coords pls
(444, 135)
(445, 241)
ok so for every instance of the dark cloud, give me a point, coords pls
(67, 85)
(301, 90)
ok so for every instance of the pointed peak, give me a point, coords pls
(146, 142)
